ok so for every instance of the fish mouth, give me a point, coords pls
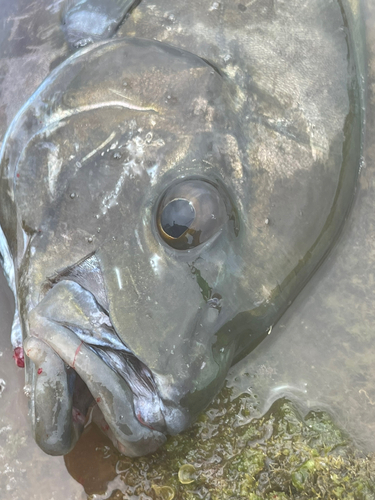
(147, 404)
(149, 408)
(84, 355)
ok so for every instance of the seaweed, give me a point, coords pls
(228, 454)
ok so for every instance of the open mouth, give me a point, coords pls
(147, 404)
(79, 358)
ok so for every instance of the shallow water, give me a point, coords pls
(320, 354)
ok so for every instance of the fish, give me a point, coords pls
(166, 192)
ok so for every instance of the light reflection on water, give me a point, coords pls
(320, 354)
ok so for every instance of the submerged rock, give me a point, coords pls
(282, 455)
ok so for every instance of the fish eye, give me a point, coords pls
(190, 213)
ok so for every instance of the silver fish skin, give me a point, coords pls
(88, 21)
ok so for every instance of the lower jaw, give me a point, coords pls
(86, 411)
(130, 449)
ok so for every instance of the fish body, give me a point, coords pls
(165, 195)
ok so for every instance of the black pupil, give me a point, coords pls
(177, 217)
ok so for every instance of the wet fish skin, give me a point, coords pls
(159, 301)
(88, 21)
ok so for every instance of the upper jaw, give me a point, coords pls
(150, 418)
(71, 326)
(126, 391)
(157, 413)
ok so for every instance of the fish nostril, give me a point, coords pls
(215, 301)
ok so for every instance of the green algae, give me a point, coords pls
(279, 456)
(186, 474)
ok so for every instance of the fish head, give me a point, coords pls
(158, 240)
(132, 230)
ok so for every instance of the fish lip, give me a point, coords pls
(175, 419)
(146, 400)
(138, 416)
(141, 398)
(98, 333)
(146, 442)
(125, 431)
(150, 437)
(128, 423)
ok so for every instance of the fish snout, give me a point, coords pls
(64, 354)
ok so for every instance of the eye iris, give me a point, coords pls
(192, 212)
(177, 217)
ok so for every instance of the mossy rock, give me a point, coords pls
(232, 456)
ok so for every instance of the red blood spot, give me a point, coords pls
(40, 370)
(18, 175)
(105, 427)
(98, 400)
(19, 357)
(78, 416)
